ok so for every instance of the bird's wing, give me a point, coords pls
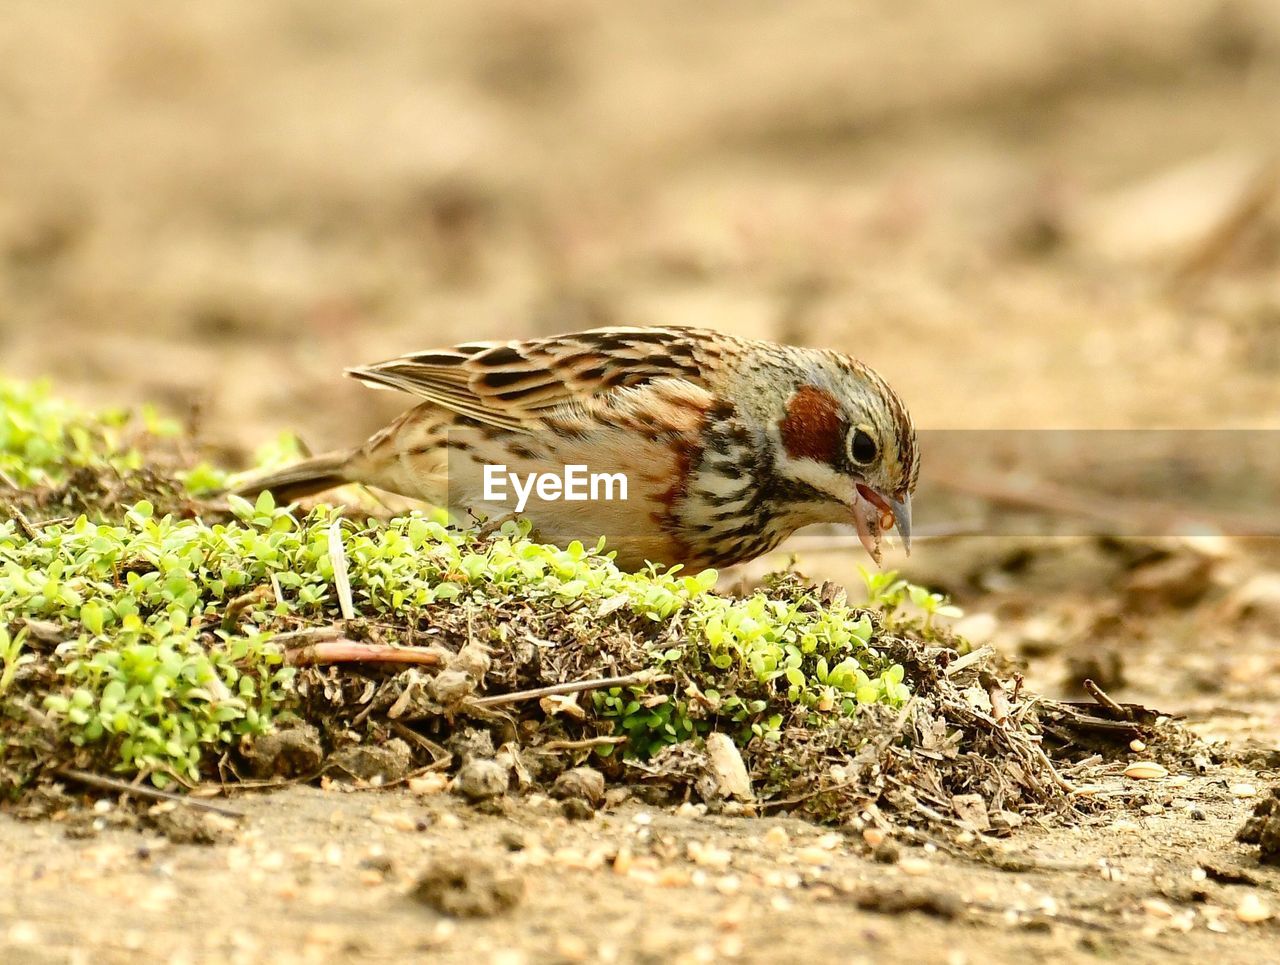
(507, 384)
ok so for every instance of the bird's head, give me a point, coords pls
(846, 434)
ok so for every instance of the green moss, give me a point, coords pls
(43, 438)
(156, 678)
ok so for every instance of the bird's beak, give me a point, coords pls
(901, 510)
(899, 513)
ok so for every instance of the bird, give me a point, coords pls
(709, 449)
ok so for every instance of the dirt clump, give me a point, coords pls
(584, 784)
(372, 763)
(288, 752)
(465, 887)
(481, 780)
(1263, 828)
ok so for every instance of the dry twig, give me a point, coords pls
(585, 744)
(101, 783)
(1106, 700)
(352, 651)
(572, 687)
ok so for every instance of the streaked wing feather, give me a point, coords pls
(505, 384)
(444, 392)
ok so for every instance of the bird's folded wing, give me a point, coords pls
(507, 384)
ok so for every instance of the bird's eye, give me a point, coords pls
(862, 447)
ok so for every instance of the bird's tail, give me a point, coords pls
(301, 479)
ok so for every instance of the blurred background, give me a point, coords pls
(1052, 214)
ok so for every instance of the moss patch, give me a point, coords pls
(162, 637)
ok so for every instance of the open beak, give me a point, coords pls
(892, 512)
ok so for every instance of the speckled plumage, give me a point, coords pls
(729, 444)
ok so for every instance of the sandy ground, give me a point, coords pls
(1025, 216)
(318, 876)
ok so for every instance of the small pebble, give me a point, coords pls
(707, 856)
(576, 809)
(1137, 746)
(1145, 771)
(915, 866)
(813, 856)
(571, 858)
(393, 819)
(673, 878)
(479, 780)
(777, 838)
(581, 784)
(623, 861)
(781, 879)
(729, 885)
(1252, 909)
(535, 856)
(380, 863)
(1243, 790)
(432, 783)
(886, 852)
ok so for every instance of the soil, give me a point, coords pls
(1010, 213)
(315, 874)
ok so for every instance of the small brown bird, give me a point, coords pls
(679, 445)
